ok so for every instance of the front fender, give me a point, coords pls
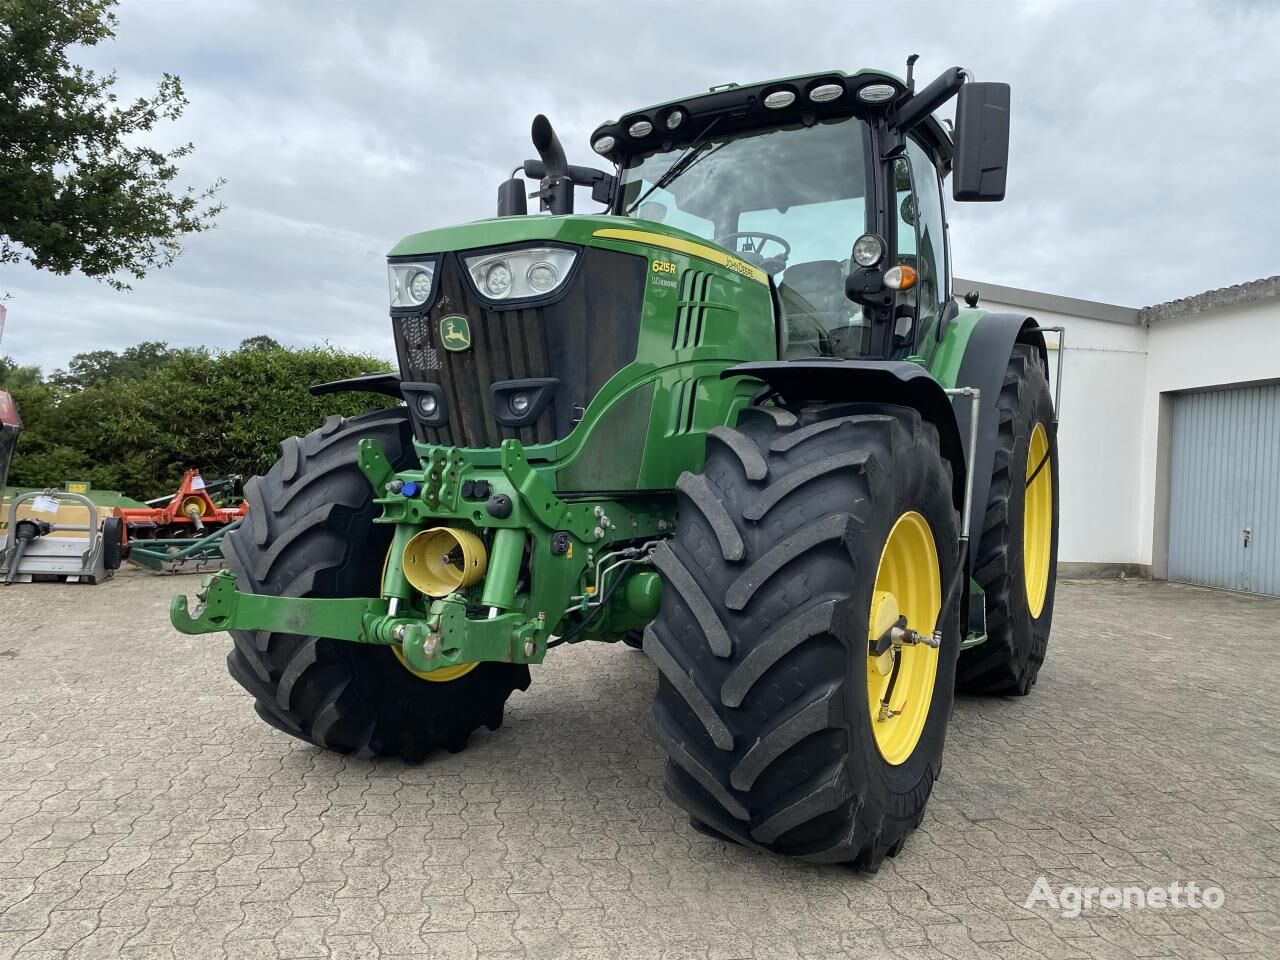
(833, 380)
(387, 384)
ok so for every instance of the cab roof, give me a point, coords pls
(736, 108)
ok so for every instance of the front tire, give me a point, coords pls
(767, 699)
(309, 532)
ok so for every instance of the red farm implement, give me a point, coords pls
(182, 532)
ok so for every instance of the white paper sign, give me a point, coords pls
(44, 504)
(197, 483)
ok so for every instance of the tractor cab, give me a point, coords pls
(828, 183)
(790, 200)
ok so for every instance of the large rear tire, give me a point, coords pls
(310, 533)
(767, 698)
(1018, 551)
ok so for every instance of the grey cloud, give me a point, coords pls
(1142, 164)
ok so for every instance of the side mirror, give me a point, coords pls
(981, 157)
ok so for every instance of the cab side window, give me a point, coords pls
(930, 239)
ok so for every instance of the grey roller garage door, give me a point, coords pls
(1224, 492)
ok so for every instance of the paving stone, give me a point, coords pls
(150, 814)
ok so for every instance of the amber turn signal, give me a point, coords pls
(900, 278)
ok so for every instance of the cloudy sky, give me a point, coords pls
(1143, 164)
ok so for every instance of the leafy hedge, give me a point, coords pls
(134, 421)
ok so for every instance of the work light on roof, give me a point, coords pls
(674, 119)
(779, 99)
(877, 92)
(603, 145)
(826, 92)
(641, 128)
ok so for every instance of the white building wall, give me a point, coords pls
(1100, 434)
(1118, 378)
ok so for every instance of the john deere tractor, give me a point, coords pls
(735, 417)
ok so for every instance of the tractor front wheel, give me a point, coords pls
(804, 539)
(309, 532)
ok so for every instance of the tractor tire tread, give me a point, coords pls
(753, 649)
(310, 533)
(1010, 659)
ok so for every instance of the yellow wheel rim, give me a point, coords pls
(444, 674)
(908, 583)
(1037, 522)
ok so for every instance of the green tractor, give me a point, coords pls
(735, 418)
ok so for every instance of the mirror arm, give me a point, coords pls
(930, 98)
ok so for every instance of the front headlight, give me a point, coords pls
(518, 274)
(410, 283)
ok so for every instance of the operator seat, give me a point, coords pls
(813, 303)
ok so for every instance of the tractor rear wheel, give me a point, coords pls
(309, 533)
(803, 538)
(1018, 550)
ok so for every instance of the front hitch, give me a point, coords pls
(524, 554)
(220, 606)
(444, 638)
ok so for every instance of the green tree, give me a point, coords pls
(260, 342)
(103, 366)
(78, 188)
(13, 375)
(222, 412)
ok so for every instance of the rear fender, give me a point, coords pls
(985, 360)
(876, 381)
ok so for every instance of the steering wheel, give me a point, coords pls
(725, 240)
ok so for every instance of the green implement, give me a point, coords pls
(180, 555)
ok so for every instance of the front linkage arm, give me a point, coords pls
(220, 606)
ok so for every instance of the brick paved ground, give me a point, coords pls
(146, 812)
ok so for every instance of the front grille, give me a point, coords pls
(582, 338)
(422, 355)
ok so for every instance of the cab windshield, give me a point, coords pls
(790, 200)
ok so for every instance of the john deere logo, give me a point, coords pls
(455, 333)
